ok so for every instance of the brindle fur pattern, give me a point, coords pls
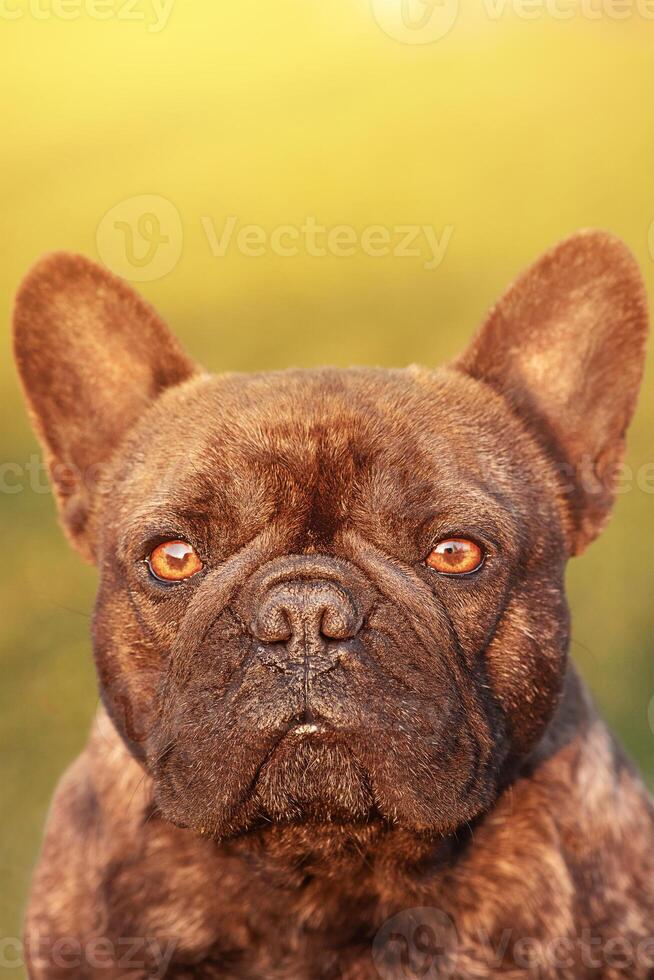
(461, 766)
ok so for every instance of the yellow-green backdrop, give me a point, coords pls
(503, 127)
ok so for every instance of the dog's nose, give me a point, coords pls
(311, 613)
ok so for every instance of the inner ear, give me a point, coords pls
(92, 355)
(565, 346)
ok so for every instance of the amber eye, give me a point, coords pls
(455, 556)
(174, 561)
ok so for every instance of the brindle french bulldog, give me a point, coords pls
(331, 638)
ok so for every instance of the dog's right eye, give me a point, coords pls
(174, 561)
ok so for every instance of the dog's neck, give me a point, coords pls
(287, 855)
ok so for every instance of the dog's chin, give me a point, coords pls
(313, 776)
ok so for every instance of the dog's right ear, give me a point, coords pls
(92, 356)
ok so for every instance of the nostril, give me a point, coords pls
(272, 624)
(340, 621)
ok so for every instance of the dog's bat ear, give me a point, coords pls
(92, 356)
(565, 345)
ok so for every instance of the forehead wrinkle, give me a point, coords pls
(300, 399)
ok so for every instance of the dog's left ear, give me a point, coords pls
(92, 356)
(565, 346)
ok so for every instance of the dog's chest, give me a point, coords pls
(219, 915)
(214, 914)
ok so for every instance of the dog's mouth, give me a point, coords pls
(308, 722)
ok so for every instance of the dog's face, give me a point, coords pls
(311, 663)
(334, 595)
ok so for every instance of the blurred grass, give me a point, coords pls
(514, 132)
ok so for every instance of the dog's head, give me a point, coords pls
(334, 595)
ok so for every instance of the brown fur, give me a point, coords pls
(461, 767)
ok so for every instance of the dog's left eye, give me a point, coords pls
(174, 561)
(455, 556)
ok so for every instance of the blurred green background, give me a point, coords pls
(510, 131)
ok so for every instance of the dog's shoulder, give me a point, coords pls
(65, 880)
(575, 828)
(82, 832)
